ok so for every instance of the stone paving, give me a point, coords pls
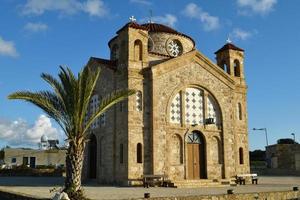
(37, 186)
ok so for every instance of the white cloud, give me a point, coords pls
(7, 48)
(210, 22)
(240, 34)
(20, 133)
(95, 8)
(66, 7)
(167, 19)
(144, 2)
(36, 27)
(256, 6)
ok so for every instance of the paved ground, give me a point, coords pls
(40, 187)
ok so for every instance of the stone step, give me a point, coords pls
(199, 183)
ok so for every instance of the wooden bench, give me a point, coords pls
(241, 178)
(155, 180)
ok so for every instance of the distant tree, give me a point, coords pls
(257, 155)
(2, 154)
(286, 141)
(68, 105)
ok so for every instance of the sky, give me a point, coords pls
(37, 36)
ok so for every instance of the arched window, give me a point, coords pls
(239, 111)
(176, 155)
(213, 110)
(139, 101)
(237, 68)
(121, 154)
(241, 155)
(193, 101)
(225, 67)
(94, 105)
(138, 50)
(139, 153)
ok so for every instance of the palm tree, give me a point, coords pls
(68, 105)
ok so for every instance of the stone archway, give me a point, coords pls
(93, 157)
(196, 155)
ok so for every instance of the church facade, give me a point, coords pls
(187, 120)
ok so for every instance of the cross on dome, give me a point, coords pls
(228, 40)
(132, 19)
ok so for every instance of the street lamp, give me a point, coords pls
(266, 132)
(293, 134)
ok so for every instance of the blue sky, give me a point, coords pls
(37, 36)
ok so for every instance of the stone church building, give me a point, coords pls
(188, 119)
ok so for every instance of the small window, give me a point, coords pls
(241, 155)
(13, 160)
(139, 101)
(237, 68)
(121, 154)
(139, 153)
(239, 112)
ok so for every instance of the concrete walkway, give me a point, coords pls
(40, 187)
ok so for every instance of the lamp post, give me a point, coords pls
(293, 134)
(266, 132)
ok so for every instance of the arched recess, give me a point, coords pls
(216, 150)
(93, 157)
(196, 155)
(138, 50)
(176, 152)
(237, 68)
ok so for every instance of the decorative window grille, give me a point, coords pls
(194, 111)
(175, 110)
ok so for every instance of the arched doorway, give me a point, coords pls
(93, 157)
(196, 155)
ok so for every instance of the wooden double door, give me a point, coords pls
(196, 160)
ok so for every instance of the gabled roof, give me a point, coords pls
(228, 46)
(111, 64)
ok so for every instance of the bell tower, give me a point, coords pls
(231, 59)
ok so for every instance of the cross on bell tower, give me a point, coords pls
(132, 19)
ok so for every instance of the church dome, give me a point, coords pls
(154, 27)
(44, 138)
(167, 42)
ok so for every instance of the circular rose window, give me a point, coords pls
(174, 48)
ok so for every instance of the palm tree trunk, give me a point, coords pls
(74, 162)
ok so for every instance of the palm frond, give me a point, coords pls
(48, 102)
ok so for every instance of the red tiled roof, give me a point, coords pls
(112, 64)
(131, 25)
(154, 27)
(228, 46)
